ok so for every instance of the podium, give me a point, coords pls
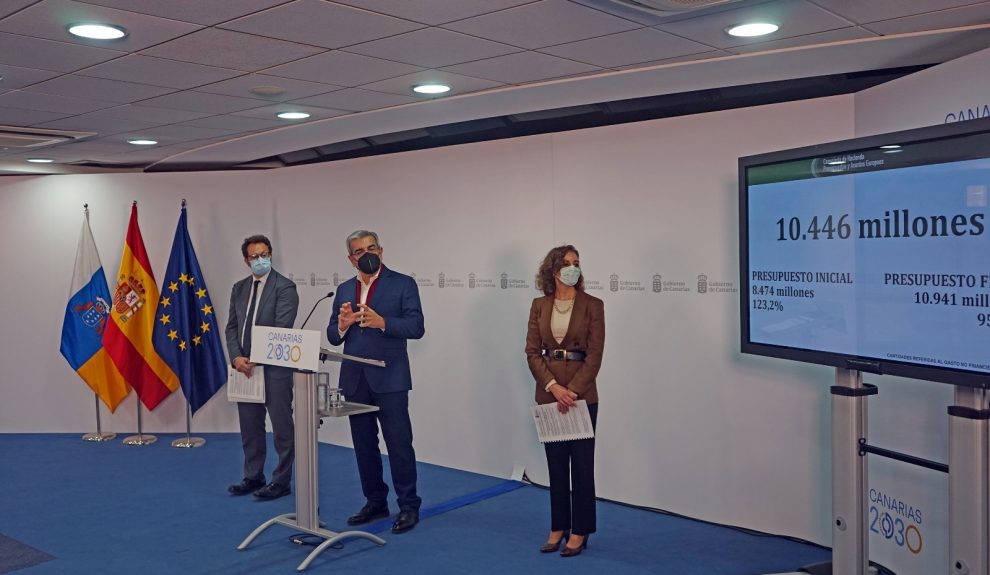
(307, 418)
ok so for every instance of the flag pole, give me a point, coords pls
(140, 438)
(188, 441)
(99, 435)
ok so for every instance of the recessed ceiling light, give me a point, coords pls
(142, 142)
(890, 147)
(292, 115)
(752, 29)
(431, 88)
(41, 160)
(97, 31)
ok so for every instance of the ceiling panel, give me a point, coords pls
(968, 16)
(522, 68)
(357, 100)
(840, 35)
(17, 77)
(625, 48)
(862, 12)
(180, 133)
(321, 23)
(207, 12)
(268, 112)
(459, 84)
(291, 89)
(21, 117)
(201, 102)
(51, 103)
(434, 12)
(342, 69)
(50, 19)
(799, 17)
(10, 6)
(159, 72)
(229, 49)
(433, 48)
(688, 58)
(99, 123)
(146, 114)
(234, 123)
(30, 52)
(543, 23)
(99, 88)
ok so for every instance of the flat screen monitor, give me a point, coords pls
(871, 254)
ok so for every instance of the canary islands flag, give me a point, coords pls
(186, 334)
(127, 337)
(86, 317)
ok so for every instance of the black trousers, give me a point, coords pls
(572, 482)
(393, 415)
(278, 404)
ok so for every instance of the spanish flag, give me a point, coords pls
(127, 337)
(86, 317)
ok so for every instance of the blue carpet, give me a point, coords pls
(110, 508)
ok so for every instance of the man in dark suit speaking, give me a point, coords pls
(266, 297)
(374, 314)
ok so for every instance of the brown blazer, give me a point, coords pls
(586, 332)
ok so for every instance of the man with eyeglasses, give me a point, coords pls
(266, 297)
(374, 315)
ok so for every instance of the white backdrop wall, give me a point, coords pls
(687, 423)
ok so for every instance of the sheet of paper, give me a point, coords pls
(552, 425)
(247, 389)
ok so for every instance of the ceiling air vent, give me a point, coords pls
(671, 6)
(15, 138)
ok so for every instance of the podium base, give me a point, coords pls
(104, 436)
(189, 442)
(332, 538)
(141, 439)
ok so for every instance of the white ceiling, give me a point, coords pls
(184, 73)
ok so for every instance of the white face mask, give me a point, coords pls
(570, 275)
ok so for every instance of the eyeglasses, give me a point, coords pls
(361, 251)
(255, 257)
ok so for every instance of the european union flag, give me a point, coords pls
(186, 334)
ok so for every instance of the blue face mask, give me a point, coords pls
(261, 266)
(570, 275)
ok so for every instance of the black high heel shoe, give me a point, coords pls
(573, 551)
(553, 547)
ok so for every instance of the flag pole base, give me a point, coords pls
(189, 442)
(100, 436)
(142, 439)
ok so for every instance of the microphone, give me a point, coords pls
(329, 294)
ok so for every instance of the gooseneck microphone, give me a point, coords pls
(329, 295)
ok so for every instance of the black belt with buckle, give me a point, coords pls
(564, 355)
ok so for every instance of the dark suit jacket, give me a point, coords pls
(277, 307)
(395, 297)
(586, 332)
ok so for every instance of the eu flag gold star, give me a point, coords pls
(205, 327)
(207, 309)
(166, 302)
(182, 345)
(173, 287)
(173, 335)
(197, 339)
(183, 278)
(201, 293)
(164, 319)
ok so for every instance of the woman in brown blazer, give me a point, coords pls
(564, 345)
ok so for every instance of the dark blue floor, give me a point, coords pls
(110, 508)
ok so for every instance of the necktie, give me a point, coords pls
(249, 321)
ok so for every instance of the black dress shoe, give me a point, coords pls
(549, 547)
(246, 486)
(272, 491)
(574, 551)
(405, 521)
(369, 512)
